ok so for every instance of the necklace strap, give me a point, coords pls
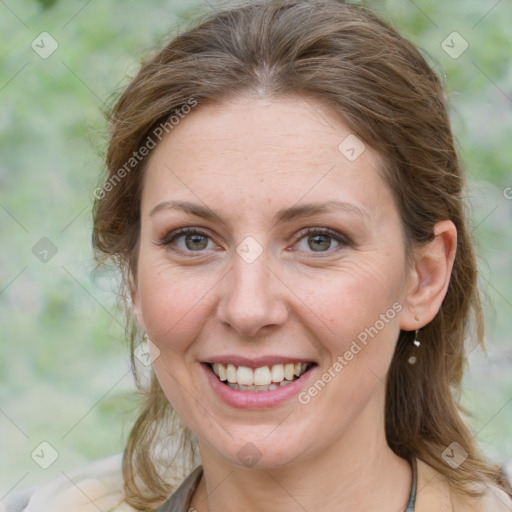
(412, 496)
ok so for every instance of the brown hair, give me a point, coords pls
(349, 59)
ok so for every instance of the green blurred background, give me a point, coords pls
(64, 374)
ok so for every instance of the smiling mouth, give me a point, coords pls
(265, 378)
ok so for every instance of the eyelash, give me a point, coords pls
(338, 237)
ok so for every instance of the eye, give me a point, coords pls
(194, 240)
(320, 240)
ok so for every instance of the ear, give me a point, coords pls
(135, 296)
(430, 277)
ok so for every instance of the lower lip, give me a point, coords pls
(255, 399)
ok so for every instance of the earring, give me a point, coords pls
(412, 359)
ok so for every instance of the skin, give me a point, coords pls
(246, 159)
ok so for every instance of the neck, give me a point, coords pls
(357, 473)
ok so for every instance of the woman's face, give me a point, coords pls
(247, 286)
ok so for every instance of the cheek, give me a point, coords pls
(357, 331)
(352, 298)
(172, 303)
(362, 316)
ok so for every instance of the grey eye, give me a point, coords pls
(319, 242)
(195, 242)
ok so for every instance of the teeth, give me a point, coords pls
(270, 387)
(245, 376)
(259, 379)
(231, 373)
(262, 376)
(222, 371)
(289, 370)
(277, 373)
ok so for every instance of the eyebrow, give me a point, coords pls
(287, 214)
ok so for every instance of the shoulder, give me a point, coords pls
(435, 493)
(493, 499)
(97, 486)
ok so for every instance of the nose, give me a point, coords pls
(253, 298)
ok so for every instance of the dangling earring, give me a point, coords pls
(412, 359)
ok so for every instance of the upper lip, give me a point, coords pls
(256, 362)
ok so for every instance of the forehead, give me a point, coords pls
(266, 153)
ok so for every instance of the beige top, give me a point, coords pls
(435, 494)
(99, 486)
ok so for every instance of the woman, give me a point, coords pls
(284, 200)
